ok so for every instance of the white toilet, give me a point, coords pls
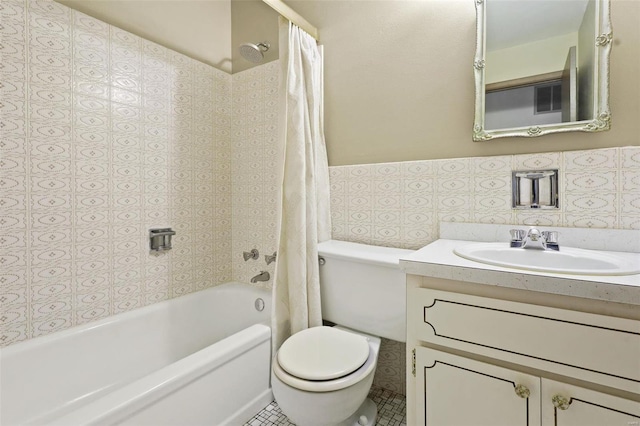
(321, 376)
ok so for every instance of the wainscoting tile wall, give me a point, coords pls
(402, 204)
(391, 369)
(104, 135)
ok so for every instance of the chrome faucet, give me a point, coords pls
(534, 239)
(262, 276)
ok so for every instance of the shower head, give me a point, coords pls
(254, 52)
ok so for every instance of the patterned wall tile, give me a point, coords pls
(390, 372)
(598, 188)
(549, 160)
(630, 158)
(93, 117)
(593, 159)
(253, 162)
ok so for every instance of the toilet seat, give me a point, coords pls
(373, 344)
(323, 353)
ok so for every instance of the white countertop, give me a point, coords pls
(438, 260)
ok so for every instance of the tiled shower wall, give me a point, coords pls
(104, 135)
(254, 132)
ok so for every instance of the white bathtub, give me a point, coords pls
(200, 359)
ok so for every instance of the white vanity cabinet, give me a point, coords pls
(567, 405)
(453, 390)
(502, 360)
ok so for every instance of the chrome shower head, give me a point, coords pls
(254, 52)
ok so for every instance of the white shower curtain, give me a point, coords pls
(303, 210)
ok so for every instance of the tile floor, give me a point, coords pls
(391, 411)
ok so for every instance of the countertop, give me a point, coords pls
(438, 260)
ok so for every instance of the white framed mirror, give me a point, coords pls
(541, 66)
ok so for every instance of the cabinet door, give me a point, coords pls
(453, 390)
(548, 339)
(566, 405)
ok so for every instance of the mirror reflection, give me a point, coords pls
(542, 67)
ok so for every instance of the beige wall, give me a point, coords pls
(399, 83)
(252, 21)
(379, 108)
(200, 29)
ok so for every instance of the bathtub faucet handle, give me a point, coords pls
(253, 254)
(270, 259)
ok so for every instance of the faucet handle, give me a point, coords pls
(550, 236)
(270, 259)
(517, 234)
(517, 237)
(253, 254)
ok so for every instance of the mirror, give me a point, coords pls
(541, 66)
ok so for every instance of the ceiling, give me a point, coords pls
(200, 29)
(511, 23)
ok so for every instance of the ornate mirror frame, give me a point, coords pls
(602, 115)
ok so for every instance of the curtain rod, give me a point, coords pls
(283, 9)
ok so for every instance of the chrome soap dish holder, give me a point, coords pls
(160, 239)
(535, 189)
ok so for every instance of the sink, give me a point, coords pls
(568, 260)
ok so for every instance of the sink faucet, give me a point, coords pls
(262, 276)
(534, 239)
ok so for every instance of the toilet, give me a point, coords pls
(321, 376)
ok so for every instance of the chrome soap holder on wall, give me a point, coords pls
(160, 239)
(535, 189)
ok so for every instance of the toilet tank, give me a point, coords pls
(363, 288)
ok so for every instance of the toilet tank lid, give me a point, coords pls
(364, 253)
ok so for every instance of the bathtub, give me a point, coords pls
(199, 359)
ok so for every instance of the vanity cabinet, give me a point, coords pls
(476, 360)
(567, 405)
(453, 390)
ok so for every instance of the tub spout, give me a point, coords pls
(262, 276)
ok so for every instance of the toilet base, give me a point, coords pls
(366, 415)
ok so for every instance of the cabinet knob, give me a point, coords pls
(561, 402)
(522, 391)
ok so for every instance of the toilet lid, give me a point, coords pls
(323, 353)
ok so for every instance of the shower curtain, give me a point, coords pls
(303, 210)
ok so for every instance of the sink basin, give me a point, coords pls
(566, 261)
